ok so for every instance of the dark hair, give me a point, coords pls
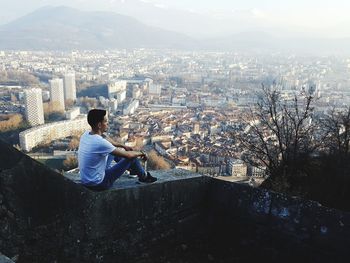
(95, 116)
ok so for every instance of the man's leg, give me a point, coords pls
(112, 173)
(135, 166)
(137, 169)
(123, 164)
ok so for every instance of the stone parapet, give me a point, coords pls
(183, 217)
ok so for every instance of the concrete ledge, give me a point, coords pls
(129, 182)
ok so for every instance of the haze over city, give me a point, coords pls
(214, 18)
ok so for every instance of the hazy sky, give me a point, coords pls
(330, 18)
(315, 13)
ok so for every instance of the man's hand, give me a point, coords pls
(129, 154)
(127, 148)
(144, 156)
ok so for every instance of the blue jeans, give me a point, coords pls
(114, 172)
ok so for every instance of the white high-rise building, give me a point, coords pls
(46, 133)
(57, 94)
(34, 106)
(70, 90)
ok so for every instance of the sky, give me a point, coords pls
(323, 17)
(314, 13)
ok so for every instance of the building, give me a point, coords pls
(52, 131)
(46, 95)
(155, 89)
(160, 148)
(131, 108)
(237, 167)
(161, 138)
(259, 171)
(57, 94)
(73, 113)
(180, 100)
(136, 93)
(214, 129)
(34, 106)
(112, 105)
(196, 128)
(116, 87)
(121, 96)
(70, 90)
(104, 102)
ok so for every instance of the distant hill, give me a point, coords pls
(63, 28)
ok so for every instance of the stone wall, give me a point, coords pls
(275, 226)
(184, 217)
(46, 217)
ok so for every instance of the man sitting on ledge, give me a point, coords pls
(96, 152)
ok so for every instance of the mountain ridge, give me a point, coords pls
(65, 28)
(68, 28)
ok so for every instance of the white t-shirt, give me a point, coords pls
(92, 157)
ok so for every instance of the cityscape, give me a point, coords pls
(174, 131)
(187, 106)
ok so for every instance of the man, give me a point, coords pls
(96, 152)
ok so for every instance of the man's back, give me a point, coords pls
(92, 156)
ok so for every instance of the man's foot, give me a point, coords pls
(148, 178)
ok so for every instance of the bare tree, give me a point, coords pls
(139, 143)
(70, 162)
(23, 78)
(157, 162)
(279, 132)
(53, 110)
(74, 143)
(69, 103)
(336, 126)
(88, 102)
(10, 122)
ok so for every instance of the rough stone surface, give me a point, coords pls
(276, 226)
(184, 217)
(4, 259)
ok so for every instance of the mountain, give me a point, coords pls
(64, 28)
(197, 24)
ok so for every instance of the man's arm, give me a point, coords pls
(129, 154)
(126, 148)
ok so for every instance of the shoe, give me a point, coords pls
(132, 175)
(148, 178)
